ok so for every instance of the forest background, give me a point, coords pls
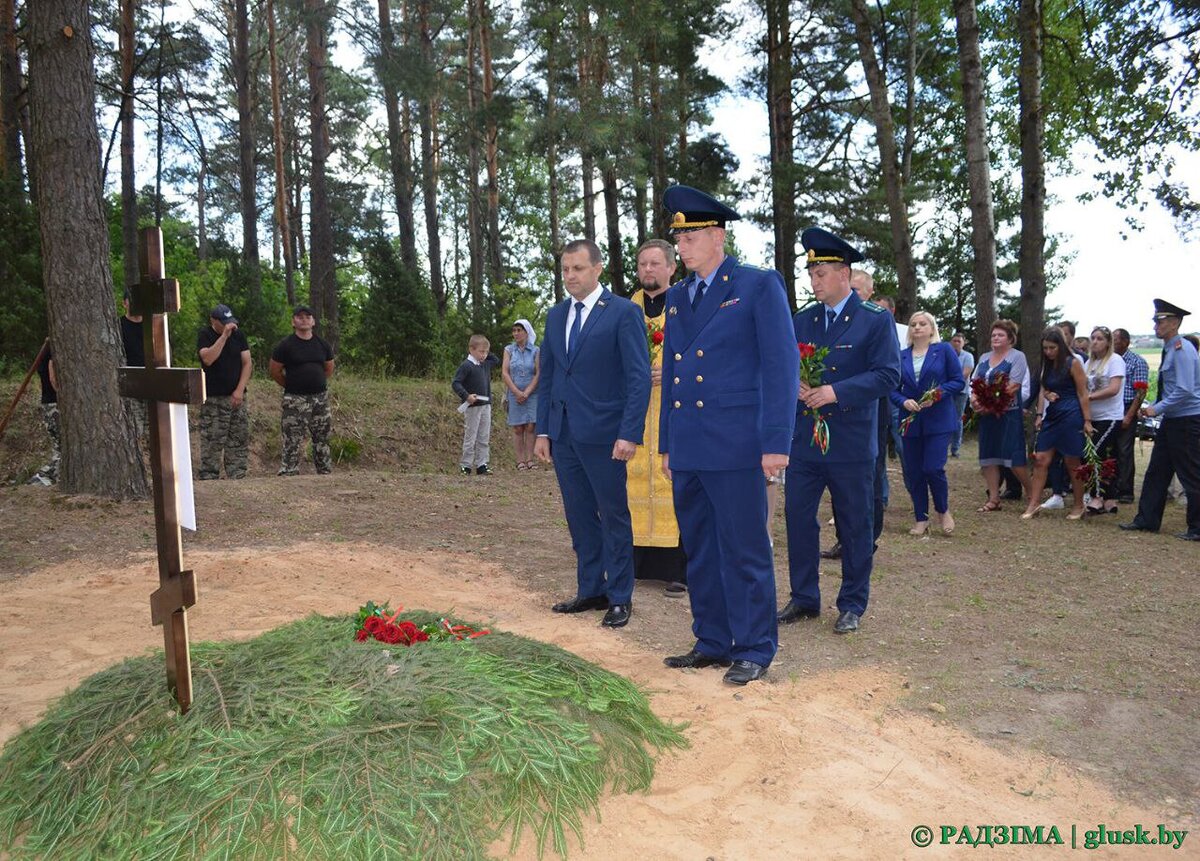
(412, 168)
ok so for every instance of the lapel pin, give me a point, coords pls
(673, 311)
(846, 319)
(602, 303)
(724, 277)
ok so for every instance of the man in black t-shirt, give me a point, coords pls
(224, 419)
(48, 474)
(135, 357)
(301, 363)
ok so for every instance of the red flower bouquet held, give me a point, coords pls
(992, 396)
(928, 399)
(654, 339)
(1093, 471)
(1141, 386)
(812, 370)
(378, 622)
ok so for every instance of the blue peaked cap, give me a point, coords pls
(824, 247)
(692, 209)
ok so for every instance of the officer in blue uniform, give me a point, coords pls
(1177, 444)
(730, 378)
(862, 366)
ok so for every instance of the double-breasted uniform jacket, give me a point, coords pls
(941, 370)
(863, 366)
(730, 371)
(604, 385)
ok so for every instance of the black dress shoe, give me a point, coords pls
(1136, 527)
(617, 616)
(1011, 494)
(834, 552)
(579, 605)
(695, 660)
(794, 611)
(1188, 536)
(846, 623)
(744, 671)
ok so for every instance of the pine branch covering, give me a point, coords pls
(302, 743)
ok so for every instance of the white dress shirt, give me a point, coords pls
(589, 302)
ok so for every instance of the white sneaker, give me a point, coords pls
(1054, 503)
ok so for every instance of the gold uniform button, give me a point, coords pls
(678, 357)
(677, 381)
(699, 354)
(700, 404)
(678, 405)
(699, 379)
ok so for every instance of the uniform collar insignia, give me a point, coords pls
(673, 311)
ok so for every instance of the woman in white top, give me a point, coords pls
(1105, 373)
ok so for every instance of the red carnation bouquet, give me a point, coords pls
(378, 622)
(928, 399)
(992, 395)
(1141, 386)
(1093, 471)
(654, 339)
(812, 369)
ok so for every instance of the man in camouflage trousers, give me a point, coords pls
(224, 417)
(48, 474)
(302, 363)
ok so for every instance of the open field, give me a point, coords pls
(1042, 670)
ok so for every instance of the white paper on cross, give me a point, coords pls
(181, 448)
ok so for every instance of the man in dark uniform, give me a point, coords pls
(135, 357)
(863, 364)
(1177, 444)
(729, 381)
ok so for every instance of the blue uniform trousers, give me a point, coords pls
(722, 517)
(851, 487)
(925, 473)
(597, 510)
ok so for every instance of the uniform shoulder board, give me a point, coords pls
(872, 307)
(751, 267)
(808, 307)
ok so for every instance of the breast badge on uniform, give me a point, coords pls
(727, 303)
(673, 311)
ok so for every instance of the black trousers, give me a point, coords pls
(1126, 437)
(1176, 452)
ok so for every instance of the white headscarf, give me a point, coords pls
(528, 327)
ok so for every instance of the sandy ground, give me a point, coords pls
(820, 765)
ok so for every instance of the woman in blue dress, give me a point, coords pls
(520, 374)
(1002, 438)
(1067, 417)
(928, 364)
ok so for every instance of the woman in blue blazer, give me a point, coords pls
(928, 364)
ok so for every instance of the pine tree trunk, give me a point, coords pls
(1032, 260)
(612, 215)
(491, 149)
(281, 216)
(885, 135)
(979, 174)
(129, 213)
(99, 450)
(782, 134)
(322, 267)
(399, 158)
(246, 172)
(429, 171)
(552, 157)
(474, 204)
(658, 147)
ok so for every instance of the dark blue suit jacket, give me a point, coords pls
(943, 370)
(863, 366)
(605, 385)
(730, 372)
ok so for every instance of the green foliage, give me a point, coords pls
(303, 739)
(344, 449)
(23, 310)
(399, 330)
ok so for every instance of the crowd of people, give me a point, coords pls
(301, 364)
(672, 418)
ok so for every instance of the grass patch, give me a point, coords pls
(302, 741)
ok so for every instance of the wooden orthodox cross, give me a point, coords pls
(160, 385)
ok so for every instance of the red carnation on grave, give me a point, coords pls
(362, 635)
(373, 624)
(390, 634)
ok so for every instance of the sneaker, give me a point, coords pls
(40, 480)
(465, 470)
(483, 470)
(1054, 503)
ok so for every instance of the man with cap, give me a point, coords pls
(302, 363)
(730, 376)
(594, 389)
(1177, 444)
(224, 419)
(135, 357)
(862, 365)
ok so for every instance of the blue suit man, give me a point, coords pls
(592, 400)
(729, 384)
(862, 366)
(932, 426)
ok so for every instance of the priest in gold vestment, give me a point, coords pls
(657, 553)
